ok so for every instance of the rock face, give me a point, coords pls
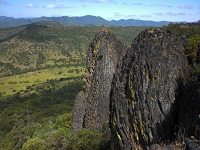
(146, 90)
(102, 58)
(192, 144)
(78, 112)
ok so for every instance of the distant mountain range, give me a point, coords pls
(88, 20)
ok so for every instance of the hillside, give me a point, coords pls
(42, 70)
(49, 44)
(88, 20)
(151, 82)
(9, 32)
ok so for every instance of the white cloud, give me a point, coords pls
(145, 16)
(185, 7)
(138, 4)
(50, 6)
(94, 1)
(118, 15)
(55, 6)
(169, 14)
(54, 0)
(164, 5)
(30, 5)
(175, 14)
(159, 14)
(152, 5)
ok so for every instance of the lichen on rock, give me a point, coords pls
(146, 88)
(102, 57)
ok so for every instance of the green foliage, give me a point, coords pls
(192, 34)
(12, 82)
(197, 70)
(85, 140)
(46, 115)
(64, 121)
(34, 144)
(58, 139)
(9, 32)
(42, 46)
(191, 48)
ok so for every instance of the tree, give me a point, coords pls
(34, 144)
(64, 121)
(85, 140)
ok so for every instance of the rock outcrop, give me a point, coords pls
(146, 90)
(102, 57)
(192, 144)
(78, 112)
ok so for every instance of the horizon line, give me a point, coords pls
(100, 17)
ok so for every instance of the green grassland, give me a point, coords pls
(31, 81)
(37, 105)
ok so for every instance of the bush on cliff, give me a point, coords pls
(85, 140)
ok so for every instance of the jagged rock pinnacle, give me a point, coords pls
(102, 57)
(78, 112)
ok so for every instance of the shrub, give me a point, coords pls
(64, 121)
(34, 144)
(85, 140)
(197, 70)
(58, 139)
(12, 82)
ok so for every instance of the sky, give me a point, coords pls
(155, 10)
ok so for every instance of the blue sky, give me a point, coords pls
(156, 10)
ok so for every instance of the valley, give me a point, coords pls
(42, 70)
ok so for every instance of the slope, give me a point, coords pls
(48, 44)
